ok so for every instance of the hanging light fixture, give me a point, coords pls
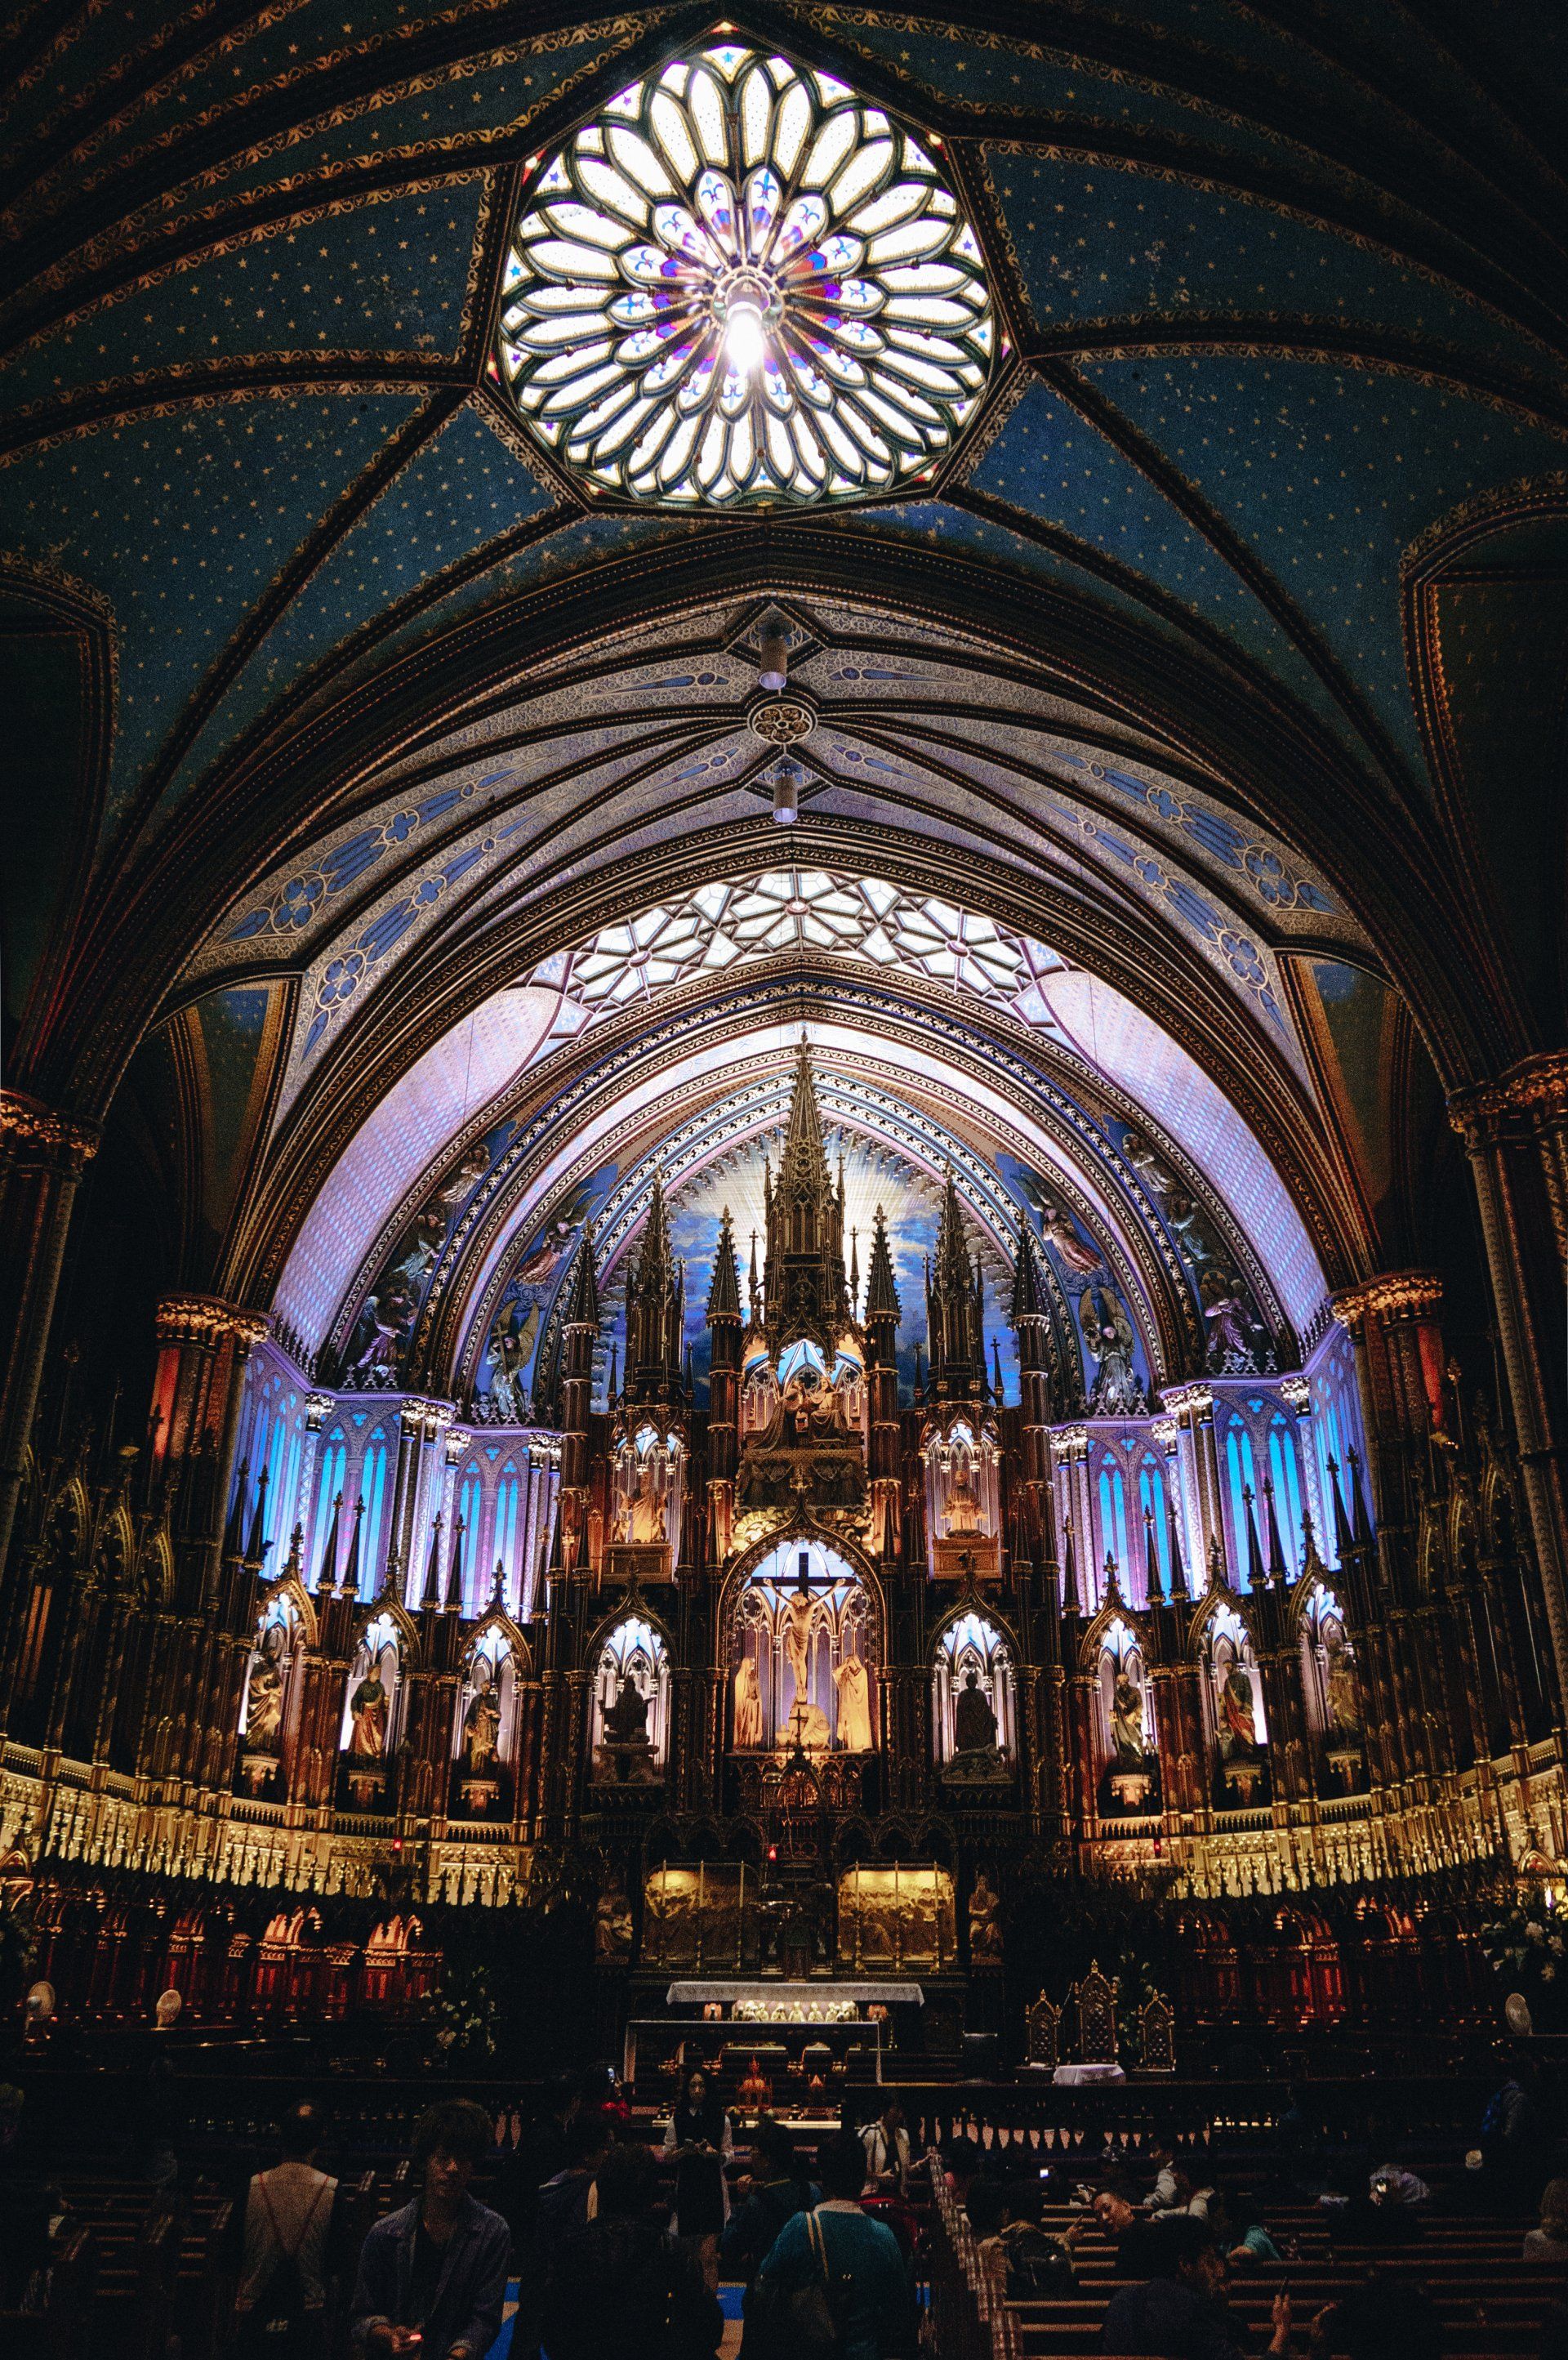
(788, 778)
(774, 647)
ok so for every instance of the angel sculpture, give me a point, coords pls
(512, 1341)
(1109, 1338)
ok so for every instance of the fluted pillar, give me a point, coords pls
(43, 1154)
(1516, 1133)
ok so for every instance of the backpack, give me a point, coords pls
(806, 2324)
(274, 2323)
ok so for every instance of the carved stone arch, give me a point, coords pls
(155, 1571)
(1112, 1610)
(497, 1619)
(1499, 1510)
(397, 1615)
(291, 1588)
(634, 1606)
(66, 1522)
(806, 1532)
(1203, 1614)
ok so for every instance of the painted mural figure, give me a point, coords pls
(1108, 1338)
(511, 1348)
(853, 1705)
(1058, 1230)
(264, 1702)
(369, 1712)
(974, 1721)
(1127, 1722)
(747, 1706)
(1225, 1309)
(482, 1722)
(379, 1349)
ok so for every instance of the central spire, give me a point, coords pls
(804, 1286)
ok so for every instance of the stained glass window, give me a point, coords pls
(743, 285)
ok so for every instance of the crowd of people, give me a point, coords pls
(607, 2268)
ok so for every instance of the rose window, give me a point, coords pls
(744, 285)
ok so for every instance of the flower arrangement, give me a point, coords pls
(463, 2014)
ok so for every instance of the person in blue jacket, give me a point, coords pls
(432, 2279)
(867, 2285)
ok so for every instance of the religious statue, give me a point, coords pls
(984, 1924)
(511, 1348)
(1108, 1338)
(626, 1720)
(264, 1699)
(747, 1706)
(853, 1705)
(962, 1507)
(798, 1641)
(973, 1721)
(1344, 1698)
(612, 1926)
(1127, 1722)
(1238, 1730)
(482, 1722)
(369, 1712)
(645, 1520)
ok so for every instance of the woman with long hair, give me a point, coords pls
(698, 2141)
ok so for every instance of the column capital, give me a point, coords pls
(205, 1319)
(1194, 1400)
(1298, 1391)
(1535, 1090)
(32, 1132)
(1392, 1295)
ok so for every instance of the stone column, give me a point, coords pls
(42, 1156)
(1516, 1133)
(1197, 1461)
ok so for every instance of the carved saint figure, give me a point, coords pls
(1344, 1700)
(962, 1507)
(263, 1703)
(612, 1926)
(482, 1721)
(1225, 1309)
(985, 1922)
(646, 1522)
(626, 1722)
(1108, 1338)
(747, 1706)
(797, 1640)
(973, 1721)
(853, 1705)
(369, 1712)
(1238, 1734)
(1127, 1720)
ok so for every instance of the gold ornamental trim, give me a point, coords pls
(28, 1127)
(205, 1318)
(1393, 1295)
(1537, 1086)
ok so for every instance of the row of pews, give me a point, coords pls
(1491, 2303)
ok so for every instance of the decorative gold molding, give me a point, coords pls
(1537, 1087)
(1393, 1295)
(1184, 1400)
(205, 1318)
(29, 1131)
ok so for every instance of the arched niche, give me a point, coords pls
(1239, 1722)
(974, 1701)
(628, 1719)
(803, 1646)
(372, 1708)
(267, 1696)
(647, 1481)
(963, 1482)
(1125, 1732)
(484, 1725)
(1331, 1689)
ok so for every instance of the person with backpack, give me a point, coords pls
(777, 2188)
(280, 2302)
(1024, 2261)
(432, 2278)
(620, 2288)
(834, 2286)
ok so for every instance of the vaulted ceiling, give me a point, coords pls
(1221, 658)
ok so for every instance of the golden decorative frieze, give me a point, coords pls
(29, 1130)
(1393, 1295)
(1536, 1088)
(1184, 1401)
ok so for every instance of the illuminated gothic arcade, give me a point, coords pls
(783, 1153)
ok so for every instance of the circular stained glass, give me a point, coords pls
(743, 285)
